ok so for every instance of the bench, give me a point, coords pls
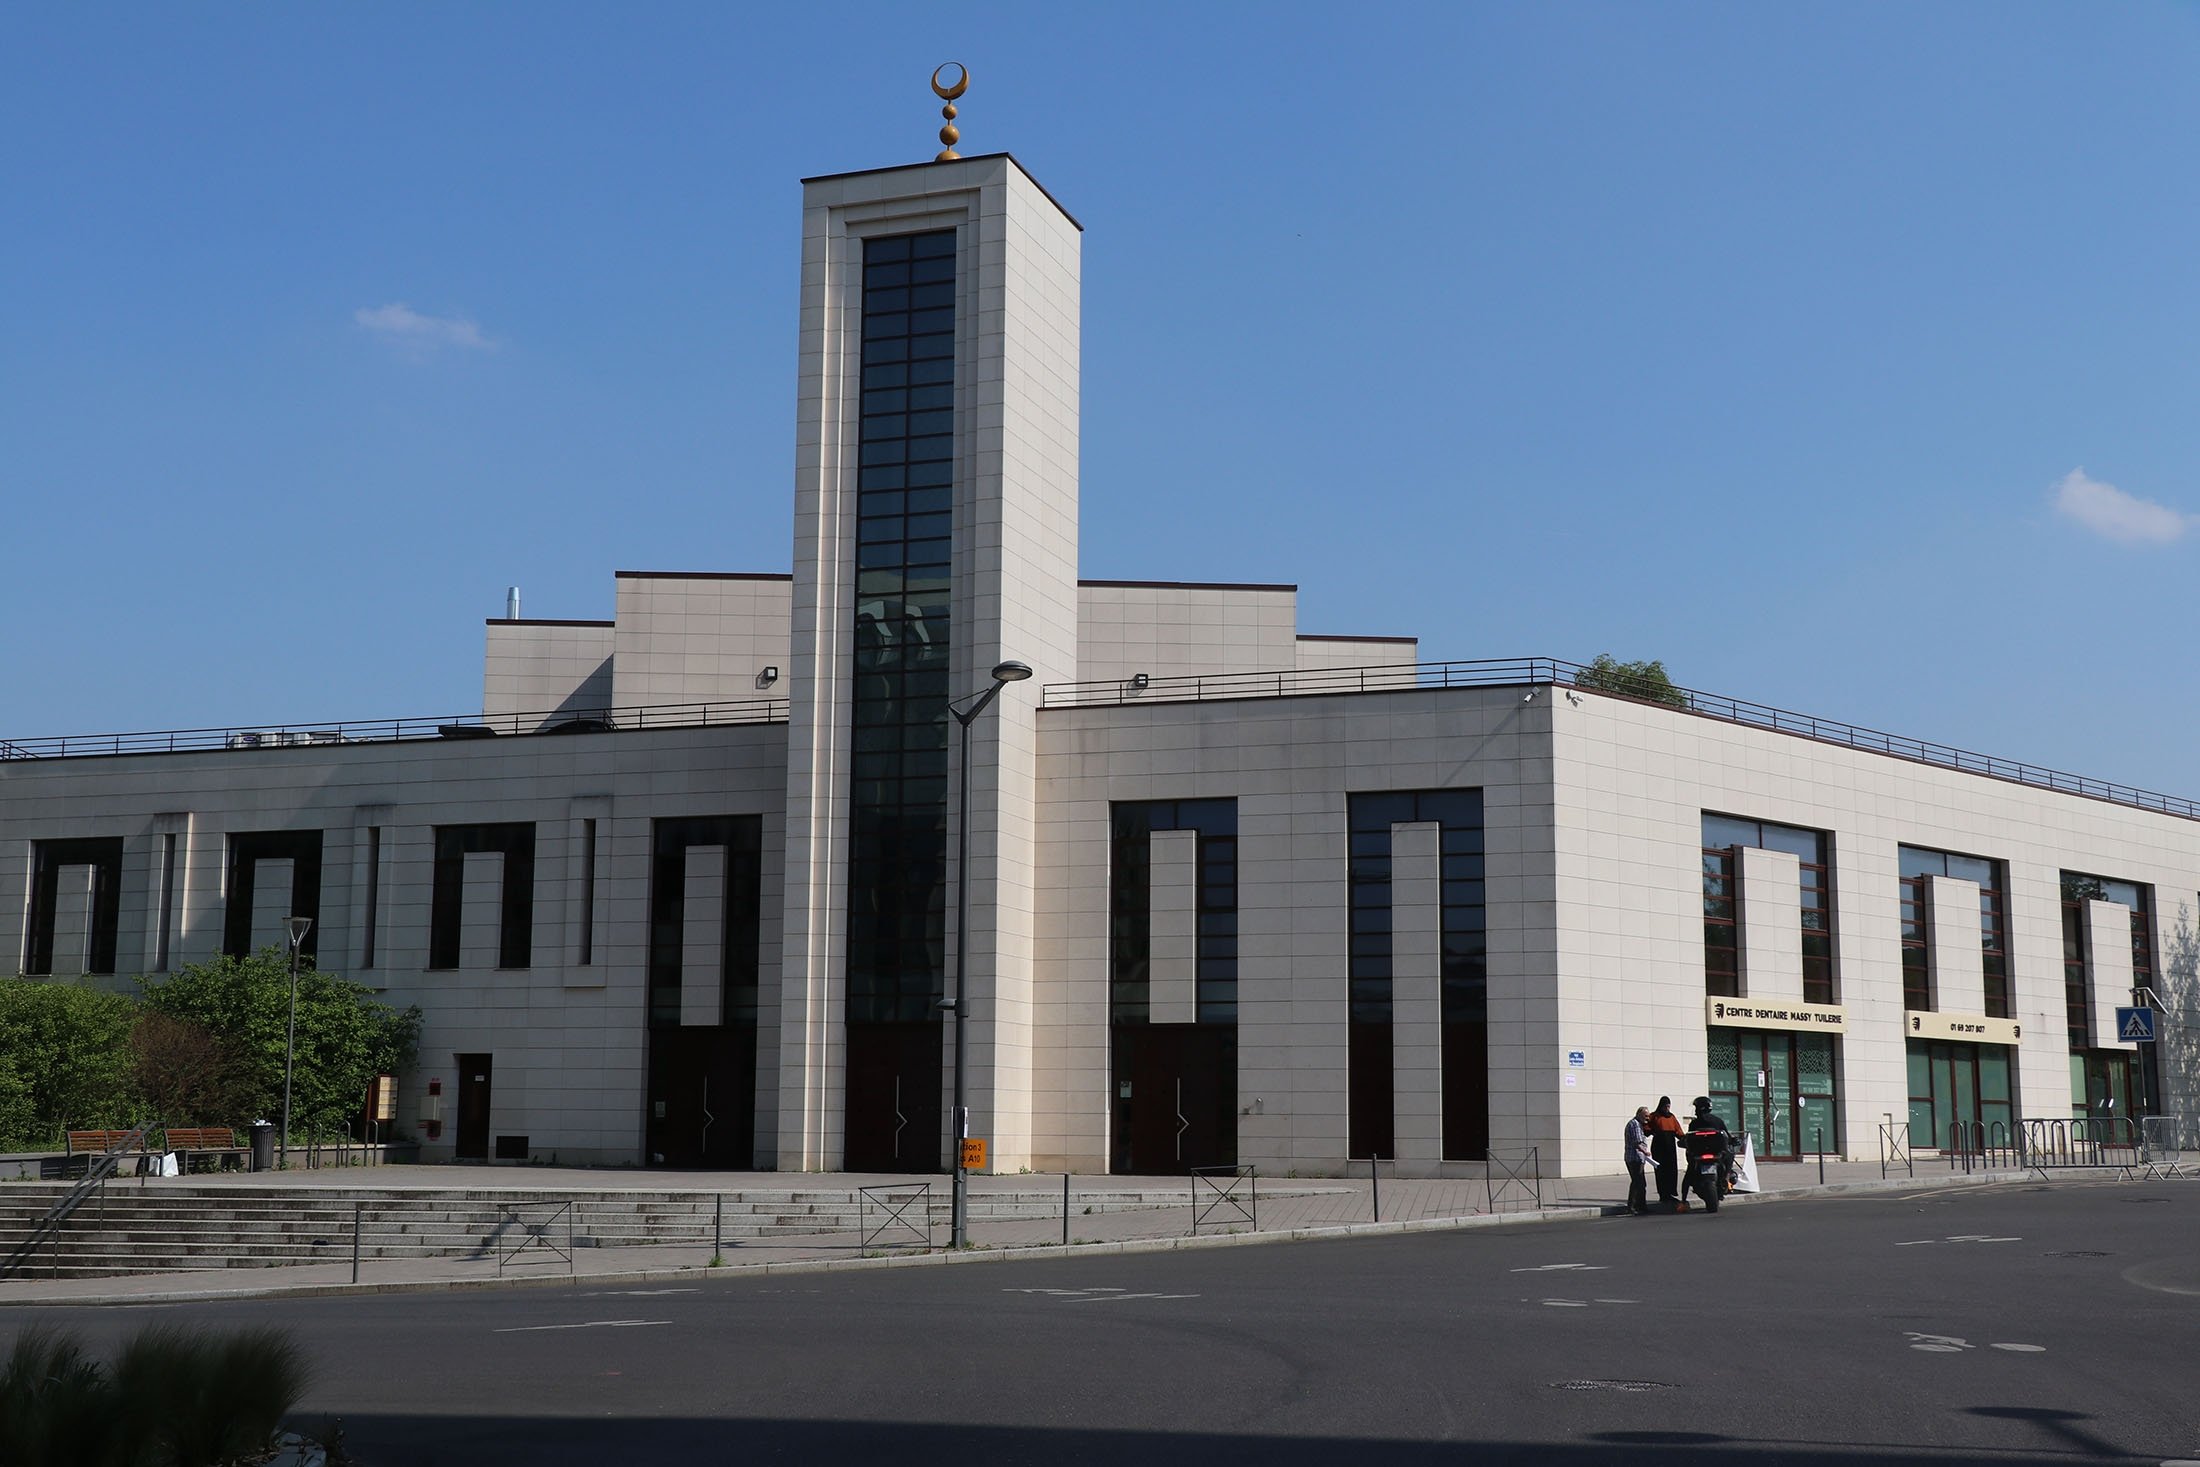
(85, 1146)
(216, 1144)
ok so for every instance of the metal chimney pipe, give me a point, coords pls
(511, 603)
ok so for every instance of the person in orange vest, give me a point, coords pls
(1665, 1136)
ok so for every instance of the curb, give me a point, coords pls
(694, 1273)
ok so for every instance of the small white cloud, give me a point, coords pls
(2109, 512)
(402, 326)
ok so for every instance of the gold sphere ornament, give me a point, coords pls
(948, 93)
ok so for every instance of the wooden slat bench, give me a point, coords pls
(84, 1147)
(215, 1144)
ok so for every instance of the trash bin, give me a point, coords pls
(263, 1146)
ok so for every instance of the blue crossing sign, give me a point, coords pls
(2135, 1026)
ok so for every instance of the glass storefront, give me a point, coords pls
(1779, 1087)
(1960, 1095)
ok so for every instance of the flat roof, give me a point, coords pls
(934, 163)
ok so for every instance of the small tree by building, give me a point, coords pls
(1646, 680)
(346, 1036)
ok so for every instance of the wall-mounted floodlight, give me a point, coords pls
(1139, 681)
(767, 677)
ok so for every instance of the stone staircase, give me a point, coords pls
(171, 1226)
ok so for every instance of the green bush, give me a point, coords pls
(64, 1060)
(200, 1047)
(1645, 680)
(346, 1036)
(174, 1398)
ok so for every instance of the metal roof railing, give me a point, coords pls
(389, 730)
(1520, 671)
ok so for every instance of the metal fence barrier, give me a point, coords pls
(1515, 1179)
(1894, 1149)
(2163, 1147)
(529, 1234)
(894, 1201)
(1215, 1188)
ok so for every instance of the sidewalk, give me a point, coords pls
(1269, 1209)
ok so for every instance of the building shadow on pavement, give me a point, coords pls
(486, 1441)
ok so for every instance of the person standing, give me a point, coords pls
(1638, 1158)
(1665, 1139)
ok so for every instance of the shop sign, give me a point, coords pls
(1742, 1013)
(1963, 1028)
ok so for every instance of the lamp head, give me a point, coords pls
(1011, 672)
(299, 927)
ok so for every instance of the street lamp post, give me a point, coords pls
(959, 1006)
(299, 927)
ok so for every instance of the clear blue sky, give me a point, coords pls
(1766, 340)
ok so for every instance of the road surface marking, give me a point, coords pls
(1937, 1344)
(636, 1293)
(523, 1329)
(1563, 1267)
(2024, 1349)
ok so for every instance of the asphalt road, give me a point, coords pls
(2003, 1324)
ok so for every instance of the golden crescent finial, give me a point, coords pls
(948, 134)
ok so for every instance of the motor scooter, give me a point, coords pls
(1706, 1153)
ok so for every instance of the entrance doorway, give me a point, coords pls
(1779, 1087)
(1175, 1098)
(894, 1117)
(702, 1097)
(1959, 1095)
(473, 1107)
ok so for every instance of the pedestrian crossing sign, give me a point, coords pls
(2135, 1026)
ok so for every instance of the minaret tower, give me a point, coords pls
(935, 537)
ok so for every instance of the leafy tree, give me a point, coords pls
(185, 1073)
(1631, 679)
(346, 1036)
(63, 1060)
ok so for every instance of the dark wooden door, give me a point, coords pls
(1466, 1090)
(894, 1116)
(1175, 1098)
(702, 1097)
(1371, 1117)
(473, 1107)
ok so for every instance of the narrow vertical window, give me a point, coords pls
(587, 955)
(374, 894)
(167, 926)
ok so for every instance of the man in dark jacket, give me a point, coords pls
(1708, 1138)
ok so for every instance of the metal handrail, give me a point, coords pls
(1539, 671)
(387, 730)
(48, 1228)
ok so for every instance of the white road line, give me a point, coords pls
(1564, 1268)
(524, 1329)
(1119, 1298)
(2024, 1349)
(636, 1293)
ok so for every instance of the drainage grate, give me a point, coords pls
(1629, 1386)
(2075, 1253)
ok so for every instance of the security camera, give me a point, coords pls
(1528, 696)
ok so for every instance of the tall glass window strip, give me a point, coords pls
(1464, 968)
(1723, 835)
(1917, 864)
(103, 854)
(2078, 889)
(897, 859)
(740, 909)
(1130, 915)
